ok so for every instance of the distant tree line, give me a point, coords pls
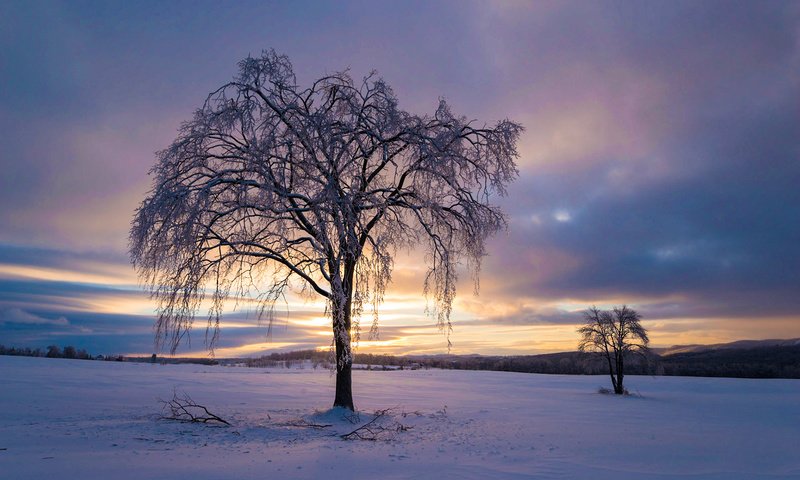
(570, 363)
(323, 358)
(173, 360)
(760, 362)
(290, 359)
(54, 351)
(567, 363)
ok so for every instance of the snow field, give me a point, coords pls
(84, 419)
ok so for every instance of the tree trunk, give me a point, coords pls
(342, 340)
(344, 379)
(344, 357)
(611, 373)
(619, 389)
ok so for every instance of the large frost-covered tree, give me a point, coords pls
(272, 187)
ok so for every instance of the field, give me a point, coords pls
(91, 419)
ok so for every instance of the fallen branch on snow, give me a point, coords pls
(304, 424)
(184, 409)
(374, 430)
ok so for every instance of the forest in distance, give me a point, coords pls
(778, 359)
(775, 361)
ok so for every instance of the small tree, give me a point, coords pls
(273, 187)
(70, 352)
(615, 334)
(53, 351)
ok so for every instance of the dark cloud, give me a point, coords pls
(727, 231)
(78, 261)
(709, 209)
(21, 317)
(64, 295)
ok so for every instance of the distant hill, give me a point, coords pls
(738, 345)
(744, 359)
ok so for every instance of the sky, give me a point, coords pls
(660, 166)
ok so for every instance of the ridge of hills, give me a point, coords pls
(740, 359)
(772, 358)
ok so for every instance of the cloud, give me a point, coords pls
(704, 213)
(19, 316)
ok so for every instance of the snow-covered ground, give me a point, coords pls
(81, 419)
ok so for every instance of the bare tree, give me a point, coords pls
(273, 187)
(615, 334)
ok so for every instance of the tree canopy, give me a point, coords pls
(272, 187)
